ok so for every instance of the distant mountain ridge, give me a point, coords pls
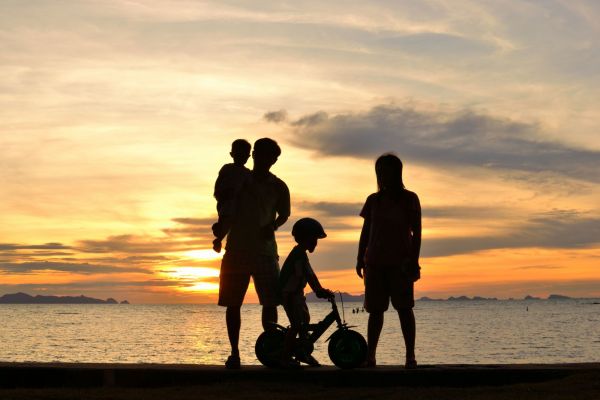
(24, 298)
(311, 297)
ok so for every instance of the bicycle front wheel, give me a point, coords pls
(269, 346)
(347, 349)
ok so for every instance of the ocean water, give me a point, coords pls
(474, 332)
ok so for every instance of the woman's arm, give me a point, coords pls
(416, 230)
(362, 246)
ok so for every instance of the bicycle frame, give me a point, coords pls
(317, 330)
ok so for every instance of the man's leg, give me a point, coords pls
(234, 322)
(233, 284)
(373, 331)
(266, 282)
(269, 316)
(407, 323)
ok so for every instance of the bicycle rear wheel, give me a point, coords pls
(269, 346)
(347, 349)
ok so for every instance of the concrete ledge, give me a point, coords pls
(42, 375)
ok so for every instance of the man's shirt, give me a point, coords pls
(259, 203)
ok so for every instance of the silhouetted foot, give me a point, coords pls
(369, 363)
(411, 364)
(290, 364)
(217, 245)
(233, 362)
(309, 359)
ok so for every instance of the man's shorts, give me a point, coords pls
(383, 283)
(236, 270)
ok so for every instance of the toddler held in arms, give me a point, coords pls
(227, 187)
(295, 274)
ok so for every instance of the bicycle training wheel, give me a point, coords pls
(347, 349)
(269, 346)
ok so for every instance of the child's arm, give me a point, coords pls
(315, 285)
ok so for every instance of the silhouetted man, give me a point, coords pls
(251, 250)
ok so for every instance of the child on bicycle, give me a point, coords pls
(295, 274)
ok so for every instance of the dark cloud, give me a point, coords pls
(46, 246)
(332, 209)
(135, 244)
(554, 230)
(350, 209)
(79, 268)
(276, 116)
(195, 221)
(463, 139)
(546, 230)
(437, 45)
(192, 227)
(542, 267)
(74, 286)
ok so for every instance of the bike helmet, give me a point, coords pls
(308, 227)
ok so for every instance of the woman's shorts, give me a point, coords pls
(383, 283)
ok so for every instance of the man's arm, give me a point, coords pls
(283, 209)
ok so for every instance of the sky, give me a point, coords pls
(116, 116)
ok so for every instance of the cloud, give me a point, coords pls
(72, 286)
(333, 209)
(276, 116)
(350, 209)
(46, 246)
(555, 230)
(195, 221)
(548, 230)
(79, 268)
(192, 227)
(136, 244)
(542, 267)
(438, 45)
(461, 139)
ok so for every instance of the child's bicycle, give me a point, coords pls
(347, 348)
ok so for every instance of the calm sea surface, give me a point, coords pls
(447, 332)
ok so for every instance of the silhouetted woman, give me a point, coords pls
(388, 254)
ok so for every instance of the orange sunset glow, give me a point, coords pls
(116, 117)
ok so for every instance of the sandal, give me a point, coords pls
(411, 364)
(233, 362)
(308, 359)
(290, 364)
(369, 364)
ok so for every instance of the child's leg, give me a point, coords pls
(289, 343)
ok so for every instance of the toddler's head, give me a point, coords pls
(240, 151)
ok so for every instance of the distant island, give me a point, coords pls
(311, 297)
(478, 298)
(24, 298)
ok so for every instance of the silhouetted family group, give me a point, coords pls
(253, 204)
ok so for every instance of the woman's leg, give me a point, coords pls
(373, 332)
(407, 323)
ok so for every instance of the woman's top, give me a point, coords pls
(391, 221)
